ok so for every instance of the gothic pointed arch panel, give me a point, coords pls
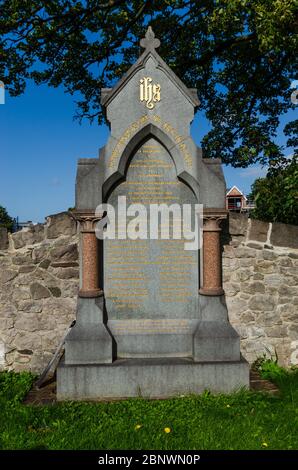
(146, 278)
(116, 167)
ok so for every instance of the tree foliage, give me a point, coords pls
(5, 219)
(241, 55)
(276, 196)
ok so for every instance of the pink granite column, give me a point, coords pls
(89, 255)
(212, 277)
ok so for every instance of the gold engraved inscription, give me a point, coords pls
(145, 272)
(149, 92)
(135, 126)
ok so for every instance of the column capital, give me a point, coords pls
(87, 220)
(212, 219)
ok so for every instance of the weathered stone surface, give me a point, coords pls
(258, 277)
(288, 312)
(63, 308)
(7, 275)
(60, 224)
(232, 288)
(256, 246)
(247, 262)
(289, 291)
(27, 340)
(24, 279)
(22, 360)
(237, 224)
(22, 258)
(55, 291)
(265, 267)
(236, 305)
(245, 252)
(257, 349)
(269, 255)
(7, 311)
(3, 238)
(70, 289)
(229, 252)
(253, 287)
(28, 236)
(261, 302)
(7, 323)
(64, 264)
(67, 273)
(5, 260)
(284, 235)
(38, 291)
(284, 261)
(42, 275)
(45, 264)
(39, 360)
(244, 295)
(65, 253)
(49, 338)
(258, 230)
(247, 317)
(30, 306)
(48, 323)
(25, 351)
(277, 331)
(64, 240)
(40, 252)
(231, 263)
(255, 332)
(242, 275)
(20, 293)
(293, 331)
(267, 318)
(290, 272)
(27, 268)
(26, 324)
(273, 280)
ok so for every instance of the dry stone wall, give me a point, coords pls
(260, 276)
(39, 279)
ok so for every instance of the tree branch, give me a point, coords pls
(223, 46)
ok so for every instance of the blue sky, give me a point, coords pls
(40, 145)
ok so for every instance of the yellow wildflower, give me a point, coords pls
(138, 426)
(167, 430)
(264, 444)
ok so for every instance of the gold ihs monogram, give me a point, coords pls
(148, 92)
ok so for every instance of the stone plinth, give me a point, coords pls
(149, 378)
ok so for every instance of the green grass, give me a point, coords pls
(244, 420)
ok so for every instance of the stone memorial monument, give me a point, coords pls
(151, 315)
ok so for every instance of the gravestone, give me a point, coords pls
(151, 314)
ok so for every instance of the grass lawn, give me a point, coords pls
(244, 420)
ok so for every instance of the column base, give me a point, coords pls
(215, 339)
(206, 291)
(90, 294)
(89, 341)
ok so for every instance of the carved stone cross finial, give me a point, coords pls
(150, 41)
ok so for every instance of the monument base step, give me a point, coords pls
(149, 378)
